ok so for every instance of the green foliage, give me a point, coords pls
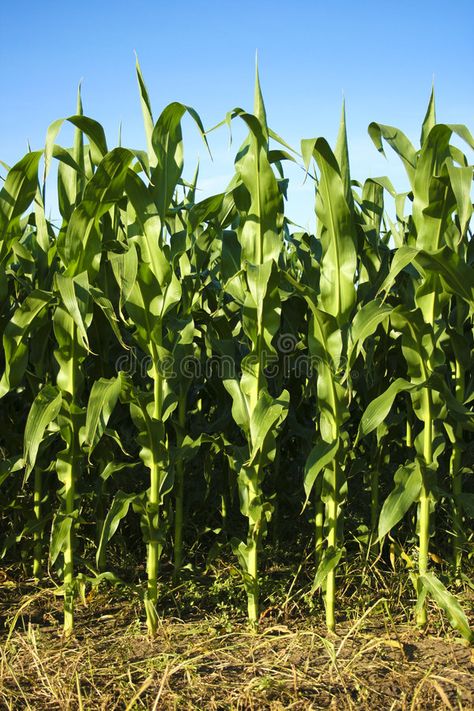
(180, 374)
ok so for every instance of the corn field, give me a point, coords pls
(185, 368)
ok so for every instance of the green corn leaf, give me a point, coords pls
(240, 408)
(433, 154)
(9, 467)
(117, 511)
(261, 312)
(329, 561)
(151, 226)
(104, 395)
(407, 489)
(339, 261)
(260, 234)
(25, 321)
(125, 267)
(19, 189)
(75, 298)
(365, 323)
(80, 249)
(373, 204)
(107, 309)
(341, 153)
(60, 535)
(242, 550)
(400, 144)
(167, 141)
(379, 408)
(461, 184)
(147, 305)
(430, 118)
(325, 339)
(43, 411)
(78, 149)
(264, 419)
(402, 258)
(457, 276)
(91, 128)
(151, 435)
(258, 103)
(448, 603)
(206, 210)
(320, 456)
(146, 112)
(463, 132)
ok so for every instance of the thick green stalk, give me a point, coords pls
(375, 491)
(154, 546)
(69, 586)
(456, 473)
(70, 477)
(254, 532)
(332, 543)
(100, 519)
(318, 521)
(276, 517)
(37, 537)
(179, 495)
(253, 591)
(70, 466)
(456, 456)
(424, 512)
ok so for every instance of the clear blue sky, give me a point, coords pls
(381, 56)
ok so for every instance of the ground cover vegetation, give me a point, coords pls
(185, 380)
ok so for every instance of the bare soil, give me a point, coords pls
(211, 662)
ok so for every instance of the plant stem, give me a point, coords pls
(179, 496)
(318, 521)
(69, 586)
(252, 571)
(332, 543)
(37, 549)
(456, 456)
(375, 493)
(424, 515)
(154, 547)
(456, 473)
(153, 552)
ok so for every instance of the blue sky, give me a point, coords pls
(381, 56)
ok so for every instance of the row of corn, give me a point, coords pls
(159, 349)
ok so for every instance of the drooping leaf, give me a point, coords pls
(104, 395)
(43, 411)
(379, 408)
(407, 489)
(448, 603)
(320, 456)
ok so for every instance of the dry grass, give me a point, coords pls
(216, 663)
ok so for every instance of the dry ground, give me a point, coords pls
(215, 662)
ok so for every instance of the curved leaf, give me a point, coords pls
(448, 603)
(43, 411)
(379, 408)
(408, 482)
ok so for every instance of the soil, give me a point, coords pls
(215, 662)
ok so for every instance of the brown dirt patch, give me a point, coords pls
(215, 663)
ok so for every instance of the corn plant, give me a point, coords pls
(440, 276)
(259, 205)
(379, 301)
